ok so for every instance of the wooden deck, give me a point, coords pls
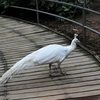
(17, 39)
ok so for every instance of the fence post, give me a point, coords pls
(84, 22)
(37, 13)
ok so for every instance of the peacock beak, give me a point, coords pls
(78, 41)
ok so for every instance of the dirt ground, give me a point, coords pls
(92, 20)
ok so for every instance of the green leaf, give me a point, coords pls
(65, 8)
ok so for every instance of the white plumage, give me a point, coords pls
(47, 55)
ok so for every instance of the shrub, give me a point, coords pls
(44, 5)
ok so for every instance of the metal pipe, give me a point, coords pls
(84, 22)
(37, 14)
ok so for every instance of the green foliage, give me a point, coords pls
(44, 5)
(89, 3)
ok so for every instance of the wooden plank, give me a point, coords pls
(7, 34)
(69, 78)
(35, 94)
(85, 94)
(30, 29)
(34, 43)
(53, 97)
(2, 97)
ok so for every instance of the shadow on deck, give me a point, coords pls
(17, 39)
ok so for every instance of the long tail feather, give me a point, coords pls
(19, 66)
(9, 73)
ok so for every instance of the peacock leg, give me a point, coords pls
(61, 69)
(50, 69)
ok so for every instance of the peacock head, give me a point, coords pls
(75, 38)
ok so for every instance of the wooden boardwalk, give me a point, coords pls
(17, 39)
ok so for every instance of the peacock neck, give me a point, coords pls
(72, 46)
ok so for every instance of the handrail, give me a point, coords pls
(83, 8)
(47, 14)
(58, 17)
